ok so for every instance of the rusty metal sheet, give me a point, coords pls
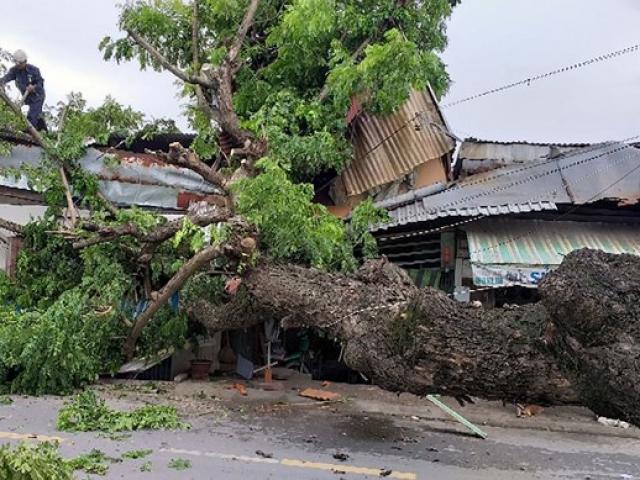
(387, 148)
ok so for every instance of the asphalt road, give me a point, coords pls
(300, 444)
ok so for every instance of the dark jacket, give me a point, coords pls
(25, 77)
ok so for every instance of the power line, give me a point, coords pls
(558, 169)
(527, 81)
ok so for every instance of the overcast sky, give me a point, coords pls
(491, 43)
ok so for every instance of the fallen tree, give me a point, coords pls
(93, 292)
(593, 305)
(580, 345)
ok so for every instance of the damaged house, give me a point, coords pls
(512, 214)
(130, 177)
(393, 154)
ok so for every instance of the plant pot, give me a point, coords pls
(200, 369)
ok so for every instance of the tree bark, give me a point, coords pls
(579, 345)
(199, 260)
(403, 338)
(593, 300)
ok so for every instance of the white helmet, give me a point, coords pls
(19, 56)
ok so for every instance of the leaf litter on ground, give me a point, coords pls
(87, 413)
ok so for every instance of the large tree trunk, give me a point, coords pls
(579, 345)
(593, 300)
(403, 338)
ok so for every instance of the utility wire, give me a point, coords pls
(558, 169)
(527, 81)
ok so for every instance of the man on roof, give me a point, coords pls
(31, 85)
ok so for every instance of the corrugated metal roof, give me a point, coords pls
(416, 212)
(478, 157)
(539, 242)
(387, 148)
(607, 172)
(526, 142)
(138, 179)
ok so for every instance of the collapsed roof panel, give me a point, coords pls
(132, 179)
(388, 147)
(478, 156)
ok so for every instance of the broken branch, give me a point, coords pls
(106, 233)
(183, 157)
(166, 64)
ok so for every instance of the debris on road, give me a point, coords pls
(262, 454)
(179, 464)
(321, 395)
(528, 410)
(611, 422)
(88, 413)
(451, 412)
(343, 457)
(240, 388)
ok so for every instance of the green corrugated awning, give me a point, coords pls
(521, 252)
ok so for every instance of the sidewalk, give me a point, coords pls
(200, 397)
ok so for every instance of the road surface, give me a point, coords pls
(299, 443)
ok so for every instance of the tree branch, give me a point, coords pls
(167, 231)
(166, 64)
(11, 226)
(38, 139)
(246, 24)
(183, 157)
(106, 233)
(198, 261)
(15, 136)
(195, 34)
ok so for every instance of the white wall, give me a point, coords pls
(18, 214)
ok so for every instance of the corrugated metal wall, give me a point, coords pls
(387, 148)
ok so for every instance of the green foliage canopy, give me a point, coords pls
(300, 64)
